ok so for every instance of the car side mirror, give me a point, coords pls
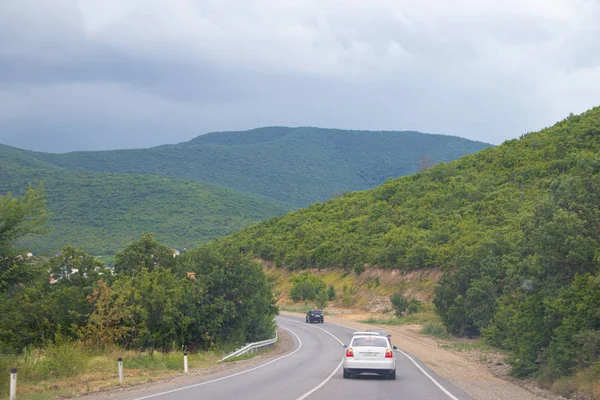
(395, 347)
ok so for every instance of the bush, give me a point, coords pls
(331, 293)
(414, 306)
(306, 286)
(436, 330)
(321, 300)
(399, 303)
(63, 360)
(347, 298)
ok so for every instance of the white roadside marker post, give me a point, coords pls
(13, 384)
(185, 362)
(120, 370)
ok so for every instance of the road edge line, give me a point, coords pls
(228, 376)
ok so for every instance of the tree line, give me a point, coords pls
(152, 299)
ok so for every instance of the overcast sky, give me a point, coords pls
(91, 74)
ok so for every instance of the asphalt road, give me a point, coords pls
(313, 371)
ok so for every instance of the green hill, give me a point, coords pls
(102, 212)
(511, 226)
(294, 166)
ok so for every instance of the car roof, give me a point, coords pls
(369, 338)
(366, 334)
(377, 331)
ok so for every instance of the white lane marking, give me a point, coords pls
(439, 385)
(229, 376)
(305, 395)
(320, 385)
(315, 327)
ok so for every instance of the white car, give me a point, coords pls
(369, 352)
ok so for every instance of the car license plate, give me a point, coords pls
(370, 355)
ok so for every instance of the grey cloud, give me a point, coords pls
(88, 74)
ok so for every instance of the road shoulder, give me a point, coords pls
(283, 346)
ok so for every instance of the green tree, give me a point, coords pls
(321, 299)
(331, 295)
(19, 217)
(414, 306)
(306, 286)
(146, 253)
(399, 303)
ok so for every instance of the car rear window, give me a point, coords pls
(370, 342)
(316, 312)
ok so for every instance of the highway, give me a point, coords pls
(312, 370)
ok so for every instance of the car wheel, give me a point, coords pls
(347, 374)
(393, 375)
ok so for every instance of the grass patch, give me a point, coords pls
(392, 321)
(72, 369)
(248, 355)
(436, 330)
(477, 344)
(586, 382)
(420, 318)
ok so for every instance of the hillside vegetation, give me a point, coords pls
(60, 312)
(294, 166)
(516, 230)
(102, 212)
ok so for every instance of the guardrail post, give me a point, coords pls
(13, 384)
(185, 362)
(120, 370)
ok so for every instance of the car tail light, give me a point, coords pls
(349, 352)
(389, 354)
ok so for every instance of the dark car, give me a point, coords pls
(315, 316)
(381, 332)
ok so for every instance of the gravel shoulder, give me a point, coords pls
(284, 345)
(483, 376)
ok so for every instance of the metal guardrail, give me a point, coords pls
(252, 348)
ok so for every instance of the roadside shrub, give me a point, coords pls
(321, 300)
(414, 306)
(306, 286)
(62, 360)
(399, 303)
(347, 298)
(331, 293)
(436, 330)
(359, 269)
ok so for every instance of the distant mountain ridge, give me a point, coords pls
(293, 166)
(211, 186)
(104, 211)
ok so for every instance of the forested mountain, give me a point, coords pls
(294, 166)
(102, 212)
(516, 229)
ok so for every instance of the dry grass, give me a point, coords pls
(586, 382)
(40, 376)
